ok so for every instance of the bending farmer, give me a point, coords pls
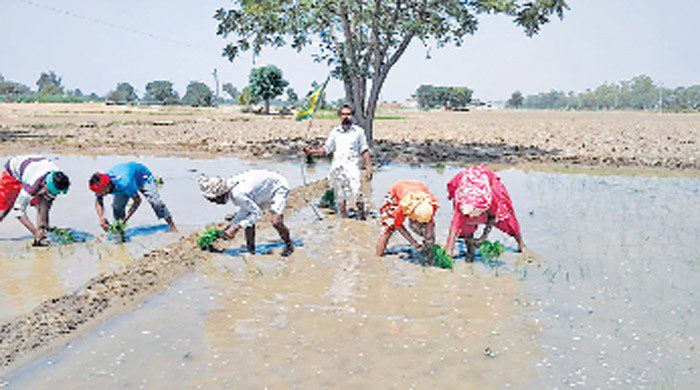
(35, 181)
(251, 192)
(479, 197)
(347, 143)
(410, 199)
(125, 181)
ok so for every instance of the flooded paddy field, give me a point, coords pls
(30, 275)
(604, 296)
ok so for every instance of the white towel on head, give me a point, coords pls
(212, 187)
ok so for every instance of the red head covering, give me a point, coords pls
(104, 182)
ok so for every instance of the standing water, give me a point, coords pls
(604, 296)
(30, 275)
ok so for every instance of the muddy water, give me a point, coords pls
(31, 275)
(608, 300)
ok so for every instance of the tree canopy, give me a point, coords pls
(267, 82)
(198, 94)
(516, 100)
(124, 92)
(429, 96)
(362, 40)
(161, 91)
(231, 91)
(49, 84)
(638, 93)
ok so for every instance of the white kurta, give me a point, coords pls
(255, 191)
(347, 147)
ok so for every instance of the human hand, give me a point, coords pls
(230, 232)
(369, 173)
(104, 224)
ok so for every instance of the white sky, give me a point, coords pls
(598, 40)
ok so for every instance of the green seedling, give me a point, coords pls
(491, 250)
(327, 200)
(441, 258)
(206, 240)
(118, 230)
(159, 181)
(63, 235)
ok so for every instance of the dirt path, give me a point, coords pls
(59, 320)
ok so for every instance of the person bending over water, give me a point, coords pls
(479, 197)
(410, 199)
(251, 192)
(125, 181)
(31, 181)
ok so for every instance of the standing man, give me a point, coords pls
(251, 192)
(125, 181)
(35, 181)
(347, 143)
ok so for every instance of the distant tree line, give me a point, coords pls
(265, 85)
(638, 93)
(429, 96)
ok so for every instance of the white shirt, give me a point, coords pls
(30, 171)
(252, 190)
(347, 146)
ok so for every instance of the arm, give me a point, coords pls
(42, 214)
(490, 221)
(21, 213)
(314, 152)
(415, 244)
(249, 209)
(383, 240)
(452, 234)
(366, 157)
(134, 206)
(100, 208)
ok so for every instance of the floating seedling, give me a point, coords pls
(441, 258)
(63, 235)
(206, 240)
(491, 250)
(118, 230)
(327, 200)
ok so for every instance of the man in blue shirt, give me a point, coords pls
(125, 181)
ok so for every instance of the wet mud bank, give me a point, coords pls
(58, 320)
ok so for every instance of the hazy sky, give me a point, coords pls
(598, 40)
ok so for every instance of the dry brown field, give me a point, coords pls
(645, 139)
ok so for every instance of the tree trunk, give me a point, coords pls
(267, 107)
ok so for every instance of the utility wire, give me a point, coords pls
(113, 25)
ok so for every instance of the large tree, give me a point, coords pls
(49, 83)
(124, 92)
(267, 82)
(231, 91)
(363, 39)
(198, 94)
(161, 91)
(516, 100)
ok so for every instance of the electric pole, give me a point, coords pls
(216, 83)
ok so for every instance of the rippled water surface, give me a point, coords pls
(605, 296)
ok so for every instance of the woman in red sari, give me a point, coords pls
(479, 197)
